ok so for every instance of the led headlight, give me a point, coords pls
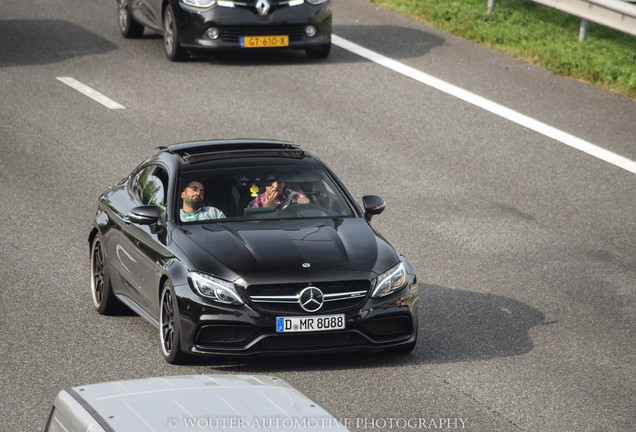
(214, 288)
(390, 281)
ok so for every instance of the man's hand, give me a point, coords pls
(273, 200)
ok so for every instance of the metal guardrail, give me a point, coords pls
(617, 14)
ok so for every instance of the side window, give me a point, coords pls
(148, 186)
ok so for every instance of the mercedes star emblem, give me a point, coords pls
(311, 299)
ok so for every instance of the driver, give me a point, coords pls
(193, 208)
(278, 196)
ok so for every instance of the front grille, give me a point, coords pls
(273, 4)
(231, 33)
(339, 297)
(321, 340)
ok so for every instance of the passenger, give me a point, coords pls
(278, 196)
(193, 208)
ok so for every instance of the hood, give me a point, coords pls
(263, 248)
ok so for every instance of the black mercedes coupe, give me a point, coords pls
(249, 247)
(217, 25)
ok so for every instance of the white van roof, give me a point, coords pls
(203, 403)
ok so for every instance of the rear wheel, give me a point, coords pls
(174, 51)
(104, 301)
(169, 331)
(127, 25)
(320, 52)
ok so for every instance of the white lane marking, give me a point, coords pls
(488, 105)
(91, 93)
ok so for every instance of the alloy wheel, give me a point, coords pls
(123, 14)
(167, 322)
(169, 33)
(97, 273)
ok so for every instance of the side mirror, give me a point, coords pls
(373, 205)
(143, 215)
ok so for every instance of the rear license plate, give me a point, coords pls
(310, 323)
(264, 41)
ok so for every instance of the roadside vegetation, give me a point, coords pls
(536, 34)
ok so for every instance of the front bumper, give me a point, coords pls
(233, 23)
(210, 329)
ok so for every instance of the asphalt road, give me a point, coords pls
(525, 248)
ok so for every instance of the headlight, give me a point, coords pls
(390, 281)
(199, 3)
(214, 288)
(316, 2)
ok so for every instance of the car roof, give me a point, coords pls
(199, 151)
(216, 402)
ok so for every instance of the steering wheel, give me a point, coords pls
(288, 200)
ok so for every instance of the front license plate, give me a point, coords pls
(264, 41)
(310, 323)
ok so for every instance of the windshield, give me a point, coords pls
(256, 193)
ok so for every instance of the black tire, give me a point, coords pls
(169, 328)
(104, 301)
(320, 52)
(127, 25)
(174, 51)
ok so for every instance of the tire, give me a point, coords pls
(104, 301)
(321, 52)
(169, 328)
(174, 51)
(127, 25)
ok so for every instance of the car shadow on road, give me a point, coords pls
(455, 326)
(392, 41)
(38, 42)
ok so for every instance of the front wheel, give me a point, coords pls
(169, 330)
(174, 51)
(320, 52)
(127, 25)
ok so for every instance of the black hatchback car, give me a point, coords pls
(214, 25)
(247, 247)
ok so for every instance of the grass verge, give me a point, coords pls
(536, 34)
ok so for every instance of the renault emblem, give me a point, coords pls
(262, 6)
(310, 299)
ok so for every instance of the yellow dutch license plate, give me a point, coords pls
(264, 41)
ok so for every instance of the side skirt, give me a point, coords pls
(138, 310)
